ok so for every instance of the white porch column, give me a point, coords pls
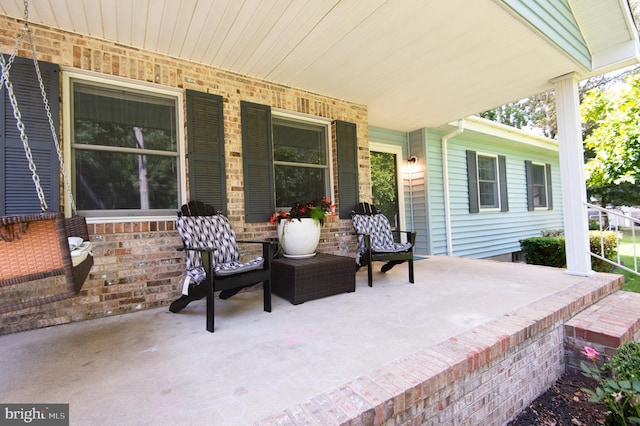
(574, 189)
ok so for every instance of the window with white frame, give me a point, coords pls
(487, 182)
(125, 147)
(300, 159)
(539, 188)
(539, 185)
(488, 185)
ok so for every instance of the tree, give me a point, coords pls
(610, 129)
(614, 141)
(383, 173)
(538, 112)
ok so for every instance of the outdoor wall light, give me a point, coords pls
(412, 165)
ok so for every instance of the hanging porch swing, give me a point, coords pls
(39, 246)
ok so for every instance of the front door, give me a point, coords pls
(384, 185)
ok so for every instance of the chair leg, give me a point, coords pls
(411, 271)
(266, 289)
(225, 294)
(210, 305)
(196, 292)
(390, 264)
(181, 303)
(370, 273)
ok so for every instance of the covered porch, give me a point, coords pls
(407, 67)
(471, 342)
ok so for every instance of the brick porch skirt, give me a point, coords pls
(603, 326)
(483, 376)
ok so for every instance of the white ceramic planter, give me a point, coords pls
(299, 238)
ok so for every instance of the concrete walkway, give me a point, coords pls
(155, 367)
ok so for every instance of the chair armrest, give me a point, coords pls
(201, 250)
(411, 235)
(268, 251)
(360, 233)
(367, 239)
(256, 241)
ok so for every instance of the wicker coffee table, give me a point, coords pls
(299, 280)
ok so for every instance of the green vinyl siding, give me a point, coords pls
(555, 20)
(493, 233)
(435, 190)
(389, 137)
(482, 234)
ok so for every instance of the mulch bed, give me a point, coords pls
(563, 404)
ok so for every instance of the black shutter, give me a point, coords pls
(257, 155)
(472, 179)
(347, 153)
(17, 192)
(549, 195)
(502, 173)
(528, 168)
(205, 131)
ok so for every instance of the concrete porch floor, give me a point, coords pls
(155, 367)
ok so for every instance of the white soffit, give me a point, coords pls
(609, 31)
(414, 63)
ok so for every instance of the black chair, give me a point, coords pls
(376, 241)
(213, 259)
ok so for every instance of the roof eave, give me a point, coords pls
(504, 132)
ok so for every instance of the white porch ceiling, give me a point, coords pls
(415, 63)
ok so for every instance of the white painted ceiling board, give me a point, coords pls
(89, 17)
(294, 25)
(413, 62)
(260, 23)
(138, 24)
(243, 37)
(205, 20)
(171, 25)
(123, 17)
(109, 22)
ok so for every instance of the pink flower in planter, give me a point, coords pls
(590, 353)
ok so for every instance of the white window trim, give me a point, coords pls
(495, 157)
(545, 185)
(400, 162)
(72, 73)
(319, 121)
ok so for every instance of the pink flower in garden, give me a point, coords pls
(590, 353)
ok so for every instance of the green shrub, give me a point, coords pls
(609, 239)
(548, 251)
(625, 364)
(618, 385)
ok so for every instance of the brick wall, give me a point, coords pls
(136, 264)
(603, 326)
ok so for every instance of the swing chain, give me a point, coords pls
(18, 116)
(23, 134)
(52, 126)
